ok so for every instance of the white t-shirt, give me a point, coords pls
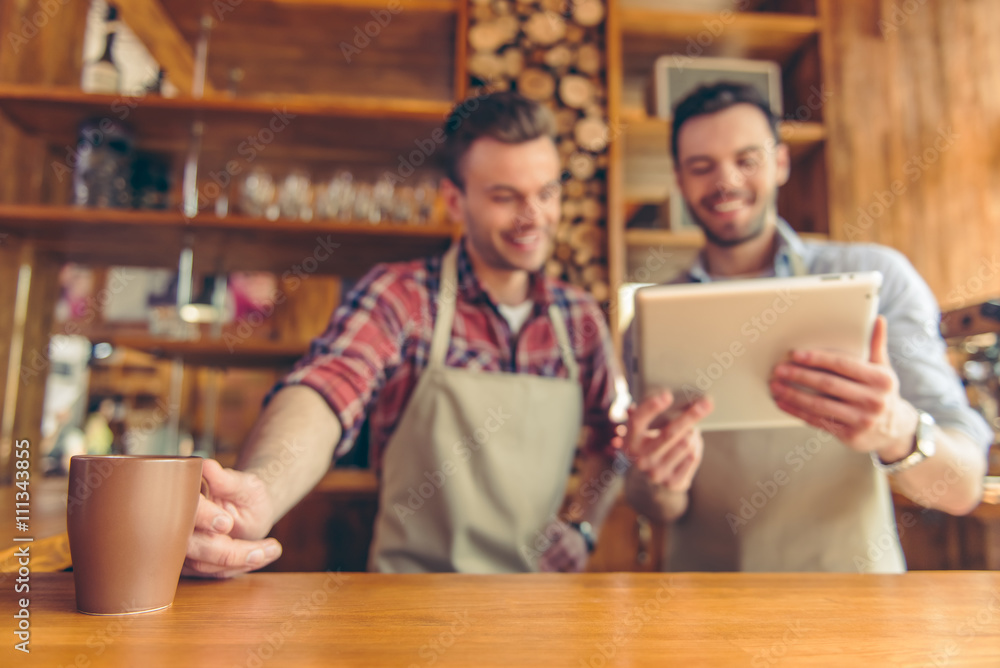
(516, 316)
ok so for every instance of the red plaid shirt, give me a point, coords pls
(378, 341)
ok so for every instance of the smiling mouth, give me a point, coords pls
(732, 205)
(525, 239)
(728, 204)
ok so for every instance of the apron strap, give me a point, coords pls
(447, 292)
(562, 339)
(797, 264)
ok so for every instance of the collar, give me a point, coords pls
(789, 250)
(471, 288)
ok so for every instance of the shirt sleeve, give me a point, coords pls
(916, 350)
(349, 363)
(605, 393)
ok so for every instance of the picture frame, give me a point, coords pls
(675, 77)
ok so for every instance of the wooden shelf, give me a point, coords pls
(649, 33)
(240, 128)
(685, 239)
(213, 352)
(667, 238)
(444, 6)
(236, 243)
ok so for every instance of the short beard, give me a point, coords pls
(756, 229)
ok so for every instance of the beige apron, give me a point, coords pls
(478, 465)
(793, 499)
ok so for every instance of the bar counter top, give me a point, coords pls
(596, 620)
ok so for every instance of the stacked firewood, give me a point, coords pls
(553, 51)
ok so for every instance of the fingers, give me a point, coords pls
(688, 420)
(222, 482)
(568, 554)
(555, 560)
(653, 445)
(210, 516)
(219, 555)
(827, 384)
(641, 416)
(857, 370)
(880, 342)
(223, 485)
(663, 466)
(803, 404)
(683, 472)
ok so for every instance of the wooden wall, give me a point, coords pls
(914, 135)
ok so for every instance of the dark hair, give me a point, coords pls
(717, 97)
(505, 116)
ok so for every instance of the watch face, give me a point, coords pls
(925, 436)
(923, 447)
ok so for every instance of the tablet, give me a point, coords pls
(722, 339)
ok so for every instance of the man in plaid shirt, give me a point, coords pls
(476, 372)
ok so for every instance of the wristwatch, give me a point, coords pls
(586, 530)
(923, 447)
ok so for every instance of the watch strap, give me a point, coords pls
(586, 529)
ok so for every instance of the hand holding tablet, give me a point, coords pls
(858, 401)
(724, 339)
(669, 454)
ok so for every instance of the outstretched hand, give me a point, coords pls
(233, 517)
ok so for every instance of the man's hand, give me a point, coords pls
(233, 515)
(856, 401)
(670, 455)
(568, 552)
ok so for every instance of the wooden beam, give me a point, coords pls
(10, 262)
(616, 173)
(28, 365)
(154, 27)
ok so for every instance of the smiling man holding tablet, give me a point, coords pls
(810, 498)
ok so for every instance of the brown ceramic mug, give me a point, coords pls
(129, 519)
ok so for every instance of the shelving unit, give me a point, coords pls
(650, 33)
(413, 53)
(220, 244)
(366, 110)
(645, 177)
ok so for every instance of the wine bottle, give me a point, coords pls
(103, 75)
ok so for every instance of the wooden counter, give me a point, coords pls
(330, 619)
